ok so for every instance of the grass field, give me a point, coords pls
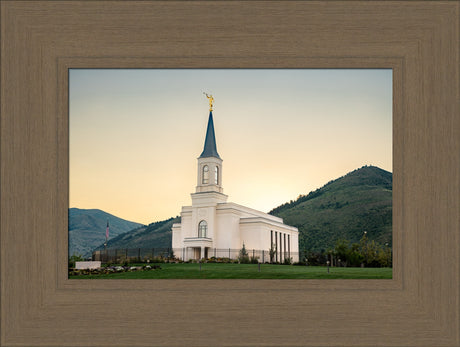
(247, 271)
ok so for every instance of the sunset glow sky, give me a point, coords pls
(135, 135)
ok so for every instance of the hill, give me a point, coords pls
(343, 209)
(155, 235)
(87, 229)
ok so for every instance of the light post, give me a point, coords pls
(328, 262)
(365, 245)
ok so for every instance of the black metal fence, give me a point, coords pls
(121, 255)
(212, 254)
(141, 255)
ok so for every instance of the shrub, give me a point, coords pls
(157, 259)
(287, 261)
(243, 257)
(254, 260)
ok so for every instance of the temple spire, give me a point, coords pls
(210, 148)
(209, 178)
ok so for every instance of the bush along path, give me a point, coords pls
(112, 269)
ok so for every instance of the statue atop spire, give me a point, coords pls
(210, 148)
(211, 100)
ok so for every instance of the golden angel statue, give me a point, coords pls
(211, 100)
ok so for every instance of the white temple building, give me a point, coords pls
(211, 226)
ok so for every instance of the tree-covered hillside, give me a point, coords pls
(155, 235)
(343, 209)
(340, 210)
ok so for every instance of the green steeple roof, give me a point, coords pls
(210, 148)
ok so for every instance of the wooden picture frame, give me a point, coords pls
(42, 39)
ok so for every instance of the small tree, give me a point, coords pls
(384, 256)
(287, 261)
(314, 258)
(355, 258)
(254, 260)
(372, 254)
(364, 248)
(341, 250)
(243, 256)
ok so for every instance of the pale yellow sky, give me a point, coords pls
(135, 134)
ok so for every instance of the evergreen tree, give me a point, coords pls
(243, 256)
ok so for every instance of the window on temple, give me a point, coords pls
(202, 229)
(205, 174)
(216, 175)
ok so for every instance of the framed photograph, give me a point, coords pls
(307, 178)
(42, 40)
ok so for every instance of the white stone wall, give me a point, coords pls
(176, 236)
(228, 234)
(81, 265)
(295, 244)
(186, 225)
(255, 236)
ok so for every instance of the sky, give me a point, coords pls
(135, 134)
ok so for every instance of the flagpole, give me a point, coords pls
(106, 240)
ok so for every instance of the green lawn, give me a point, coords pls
(248, 271)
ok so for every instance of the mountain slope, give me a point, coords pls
(87, 229)
(155, 235)
(343, 209)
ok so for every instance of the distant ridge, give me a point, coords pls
(343, 209)
(87, 229)
(155, 235)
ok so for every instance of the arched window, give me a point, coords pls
(216, 175)
(205, 179)
(202, 229)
